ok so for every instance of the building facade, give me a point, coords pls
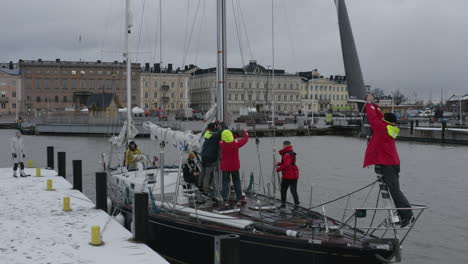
(250, 86)
(56, 85)
(10, 82)
(165, 89)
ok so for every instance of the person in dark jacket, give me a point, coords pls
(230, 163)
(290, 173)
(381, 152)
(209, 156)
(191, 171)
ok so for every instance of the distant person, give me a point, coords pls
(131, 157)
(290, 173)
(17, 153)
(209, 155)
(381, 152)
(230, 163)
(190, 169)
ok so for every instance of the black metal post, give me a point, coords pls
(444, 126)
(61, 164)
(227, 250)
(77, 175)
(140, 216)
(417, 123)
(50, 157)
(412, 127)
(101, 191)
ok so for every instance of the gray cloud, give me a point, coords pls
(412, 45)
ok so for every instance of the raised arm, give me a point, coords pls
(241, 142)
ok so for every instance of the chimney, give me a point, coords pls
(252, 62)
(147, 67)
(116, 62)
(157, 67)
(10, 65)
(57, 60)
(98, 61)
(186, 68)
(191, 66)
(178, 70)
(169, 67)
(39, 60)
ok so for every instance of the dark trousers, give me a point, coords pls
(391, 177)
(15, 166)
(235, 181)
(285, 184)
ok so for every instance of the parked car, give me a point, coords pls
(198, 116)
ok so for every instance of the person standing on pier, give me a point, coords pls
(230, 163)
(381, 152)
(17, 153)
(290, 173)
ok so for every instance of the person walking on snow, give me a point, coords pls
(230, 163)
(381, 152)
(17, 153)
(290, 173)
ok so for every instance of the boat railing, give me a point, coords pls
(385, 229)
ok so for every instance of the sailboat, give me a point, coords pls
(183, 229)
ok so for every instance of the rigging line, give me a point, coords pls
(187, 16)
(155, 32)
(141, 28)
(290, 37)
(346, 195)
(245, 28)
(202, 22)
(191, 32)
(239, 37)
(106, 29)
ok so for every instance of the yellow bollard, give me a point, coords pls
(66, 204)
(30, 163)
(96, 236)
(38, 172)
(49, 184)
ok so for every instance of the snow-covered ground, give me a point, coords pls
(35, 229)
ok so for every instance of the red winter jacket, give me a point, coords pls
(230, 153)
(288, 164)
(381, 148)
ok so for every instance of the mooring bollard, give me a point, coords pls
(227, 249)
(38, 172)
(66, 204)
(140, 216)
(49, 185)
(30, 164)
(61, 164)
(96, 236)
(101, 191)
(50, 157)
(77, 175)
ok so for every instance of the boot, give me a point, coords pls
(22, 174)
(14, 174)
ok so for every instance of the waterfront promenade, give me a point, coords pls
(36, 229)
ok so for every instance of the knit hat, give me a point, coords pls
(191, 155)
(227, 136)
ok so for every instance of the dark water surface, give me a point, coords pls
(433, 175)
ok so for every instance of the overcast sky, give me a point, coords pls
(412, 45)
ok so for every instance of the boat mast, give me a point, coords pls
(221, 60)
(126, 55)
(273, 64)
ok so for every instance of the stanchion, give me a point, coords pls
(38, 172)
(61, 166)
(96, 236)
(49, 185)
(30, 164)
(77, 175)
(101, 191)
(66, 204)
(140, 216)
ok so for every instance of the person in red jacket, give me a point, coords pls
(230, 163)
(290, 173)
(381, 152)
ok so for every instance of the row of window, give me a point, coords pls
(164, 94)
(3, 94)
(327, 96)
(4, 83)
(4, 105)
(170, 106)
(163, 83)
(250, 85)
(76, 72)
(74, 84)
(56, 99)
(327, 88)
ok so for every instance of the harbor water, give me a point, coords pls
(431, 174)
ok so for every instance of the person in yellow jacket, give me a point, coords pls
(130, 159)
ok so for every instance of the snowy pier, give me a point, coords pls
(35, 229)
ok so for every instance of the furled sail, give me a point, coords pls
(355, 81)
(122, 137)
(184, 141)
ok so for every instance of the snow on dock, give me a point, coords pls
(35, 229)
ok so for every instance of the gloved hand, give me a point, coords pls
(14, 155)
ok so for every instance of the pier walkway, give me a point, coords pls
(35, 229)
